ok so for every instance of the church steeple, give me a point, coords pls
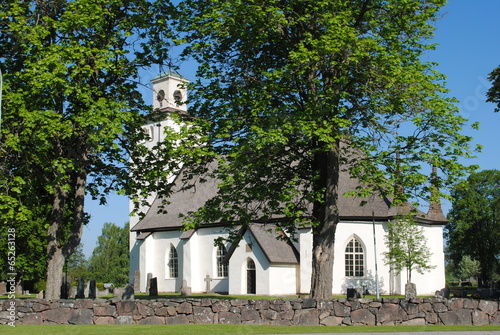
(170, 91)
(435, 211)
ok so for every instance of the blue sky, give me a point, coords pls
(468, 37)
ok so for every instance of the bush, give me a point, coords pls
(40, 285)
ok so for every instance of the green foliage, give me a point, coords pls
(289, 91)
(77, 265)
(493, 93)
(109, 262)
(467, 268)
(40, 285)
(474, 222)
(71, 111)
(407, 247)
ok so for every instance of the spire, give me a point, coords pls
(435, 212)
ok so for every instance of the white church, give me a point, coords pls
(259, 263)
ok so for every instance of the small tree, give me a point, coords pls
(77, 265)
(110, 258)
(407, 247)
(467, 268)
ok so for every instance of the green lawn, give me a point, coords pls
(222, 329)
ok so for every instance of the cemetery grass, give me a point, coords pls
(223, 329)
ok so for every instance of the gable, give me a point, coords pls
(276, 247)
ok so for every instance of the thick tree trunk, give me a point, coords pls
(327, 217)
(54, 274)
(59, 250)
(55, 259)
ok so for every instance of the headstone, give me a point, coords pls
(148, 281)
(19, 289)
(87, 289)
(410, 291)
(185, 289)
(446, 293)
(439, 294)
(65, 286)
(92, 289)
(153, 287)
(3, 287)
(128, 293)
(137, 280)
(72, 292)
(80, 291)
(355, 293)
(207, 280)
(40, 295)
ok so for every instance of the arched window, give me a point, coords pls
(221, 266)
(173, 263)
(354, 259)
(251, 277)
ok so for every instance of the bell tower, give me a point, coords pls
(170, 92)
(169, 95)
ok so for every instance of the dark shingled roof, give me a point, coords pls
(276, 250)
(350, 208)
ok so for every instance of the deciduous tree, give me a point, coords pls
(467, 268)
(70, 106)
(474, 222)
(407, 247)
(290, 92)
(110, 259)
(493, 93)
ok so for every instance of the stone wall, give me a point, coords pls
(386, 311)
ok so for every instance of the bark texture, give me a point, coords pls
(327, 216)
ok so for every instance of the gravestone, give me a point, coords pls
(185, 289)
(148, 281)
(128, 293)
(153, 287)
(207, 280)
(410, 291)
(19, 289)
(65, 286)
(40, 295)
(446, 293)
(72, 292)
(92, 289)
(137, 280)
(3, 287)
(355, 293)
(80, 291)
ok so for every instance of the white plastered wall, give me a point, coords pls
(388, 281)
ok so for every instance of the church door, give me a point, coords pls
(251, 277)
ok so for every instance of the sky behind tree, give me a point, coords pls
(468, 38)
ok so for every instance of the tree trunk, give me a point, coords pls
(59, 250)
(54, 274)
(55, 259)
(327, 217)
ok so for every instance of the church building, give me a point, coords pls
(260, 263)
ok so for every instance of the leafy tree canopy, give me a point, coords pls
(467, 268)
(474, 222)
(493, 93)
(407, 247)
(290, 92)
(109, 262)
(71, 106)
